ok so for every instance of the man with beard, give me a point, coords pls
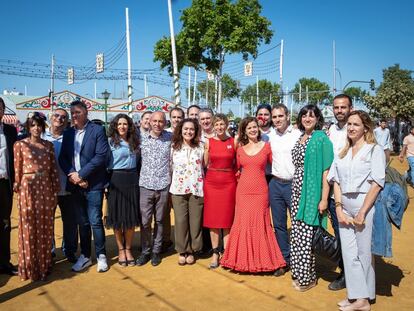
(342, 106)
(263, 116)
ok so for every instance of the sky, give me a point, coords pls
(369, 37)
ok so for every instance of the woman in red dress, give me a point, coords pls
(252, 246)
(219, 185)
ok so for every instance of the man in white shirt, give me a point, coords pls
(342, 107)
(282, 141)
(205, 118)
(176, 116)
(145, 122)
(383, 137)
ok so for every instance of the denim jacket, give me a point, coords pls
(389, 208)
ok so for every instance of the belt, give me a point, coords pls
(38, 173)
(285, 181)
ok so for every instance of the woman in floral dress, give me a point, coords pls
(37, 184)
(187, 189)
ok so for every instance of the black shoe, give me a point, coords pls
(339, 283)
(166, 246)
(143, 259)
(281, 271)
(8, 269)
(155, 259)
(71, 258)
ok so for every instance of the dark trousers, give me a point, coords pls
(152, 203)
(335, 226)
(70, 227)
(280, 194)
(166, 222)
(6, 203)
(88, 206)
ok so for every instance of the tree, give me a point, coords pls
(230, 90)
(268, 93)
(394, 98)
(317, 91)
(230, 114)
(356, 93)
(211, 30)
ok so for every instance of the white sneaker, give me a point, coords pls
(102, 264)
(82, 263)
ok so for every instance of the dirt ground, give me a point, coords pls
(172, 287)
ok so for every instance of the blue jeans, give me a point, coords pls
(88, 206)
(411, 164)
(280, 194)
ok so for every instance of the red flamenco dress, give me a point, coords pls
(252, 246)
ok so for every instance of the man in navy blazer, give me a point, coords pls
(83, 159)
(8, 136)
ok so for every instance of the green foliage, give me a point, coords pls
(213, 28)
(318, 91)
(230, 114)
(230, 89)
(267, 90)
(395, 95)
(356, 93)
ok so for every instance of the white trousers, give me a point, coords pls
(356, 250)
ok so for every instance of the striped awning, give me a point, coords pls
(10, 119)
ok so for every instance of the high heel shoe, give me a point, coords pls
(181, 259)
(215, 264)
(122, 263)
(130, 262)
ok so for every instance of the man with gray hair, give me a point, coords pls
(153, 183)
(205, 118)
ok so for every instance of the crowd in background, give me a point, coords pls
(220, 188)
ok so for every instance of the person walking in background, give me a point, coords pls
(312, 156)
(282, 140)
(383, 138)
(123, 190)
(8, 136)
(358, 175)
(83, 158)
(252, 246)
(154, 181)
(408, 151)
(337, 132)
(187, 189)
(219, 185)
(54, 134)
(37, 185)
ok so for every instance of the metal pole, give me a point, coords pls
(334, 69)
(215, 91)
(145, 86)
(130, 108)
(257, 90)
(95, 90)
(195, 84)
(52, 83)
(207, 92)
(189, 87)
(281, 69)
(307, 95)
(106, 114)
(174, 55)
(300, 92)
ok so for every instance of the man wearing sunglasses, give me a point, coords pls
(58, 123)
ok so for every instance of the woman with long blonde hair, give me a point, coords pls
(358, 175)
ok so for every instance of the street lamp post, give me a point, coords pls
(105, 96)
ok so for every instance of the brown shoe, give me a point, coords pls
(304, 288)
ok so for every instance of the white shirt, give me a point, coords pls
(354, 175)
(79, 135)
(383, 137)
(337, 136)
(282, 145)
(3, 153)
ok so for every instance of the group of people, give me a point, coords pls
(212, 182)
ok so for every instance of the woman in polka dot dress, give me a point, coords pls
(37, 184)
(311, 191)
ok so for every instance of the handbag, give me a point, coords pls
(326, 245)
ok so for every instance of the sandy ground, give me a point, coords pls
(172, 287)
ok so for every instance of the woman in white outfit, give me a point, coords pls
(358, 174)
